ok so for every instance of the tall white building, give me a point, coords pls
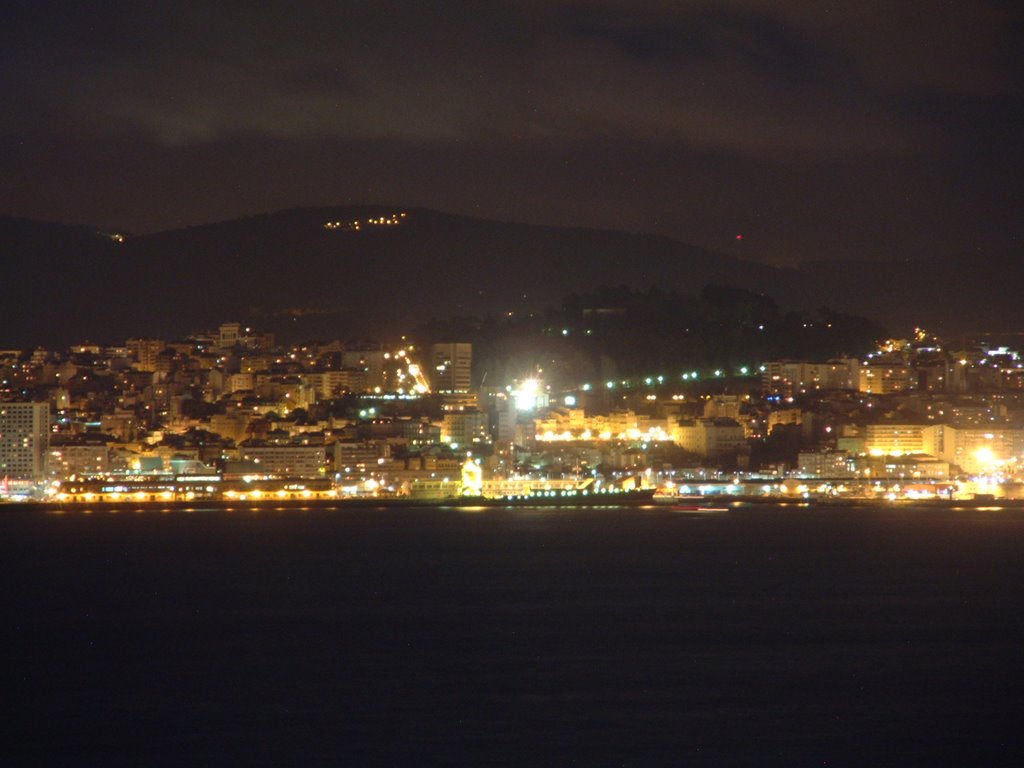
(452, 367)
(24, 439)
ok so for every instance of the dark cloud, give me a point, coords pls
(832, 128)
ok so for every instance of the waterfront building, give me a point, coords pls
(77, 460)
(286, 460)
(358, 457)
(710, 437)
(24, 439)
(894, 439)
(826, 464)
(977, 450)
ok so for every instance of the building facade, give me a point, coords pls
(24, 440)
(451, 367)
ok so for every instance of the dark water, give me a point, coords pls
(775, 636)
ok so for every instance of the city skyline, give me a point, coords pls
(232, 414)
(512, 382)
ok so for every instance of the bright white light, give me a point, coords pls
(526, 395)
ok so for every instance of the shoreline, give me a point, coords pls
(733, 502)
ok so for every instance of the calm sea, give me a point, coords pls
(771, 636)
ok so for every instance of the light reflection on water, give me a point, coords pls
(630, 635)
(724, 509)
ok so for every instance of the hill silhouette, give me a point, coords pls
(286, 272)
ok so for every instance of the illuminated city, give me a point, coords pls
(510, 383)
(232, 415)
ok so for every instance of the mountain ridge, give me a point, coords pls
(287, 272)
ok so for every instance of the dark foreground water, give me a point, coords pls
(774, 636)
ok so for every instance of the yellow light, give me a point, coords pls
(985, 455)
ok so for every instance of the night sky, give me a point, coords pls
(866, 129)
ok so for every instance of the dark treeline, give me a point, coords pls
(618, 332)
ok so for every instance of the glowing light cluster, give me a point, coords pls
(653, 435)
(391, 220)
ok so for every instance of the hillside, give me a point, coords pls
(289, 273)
